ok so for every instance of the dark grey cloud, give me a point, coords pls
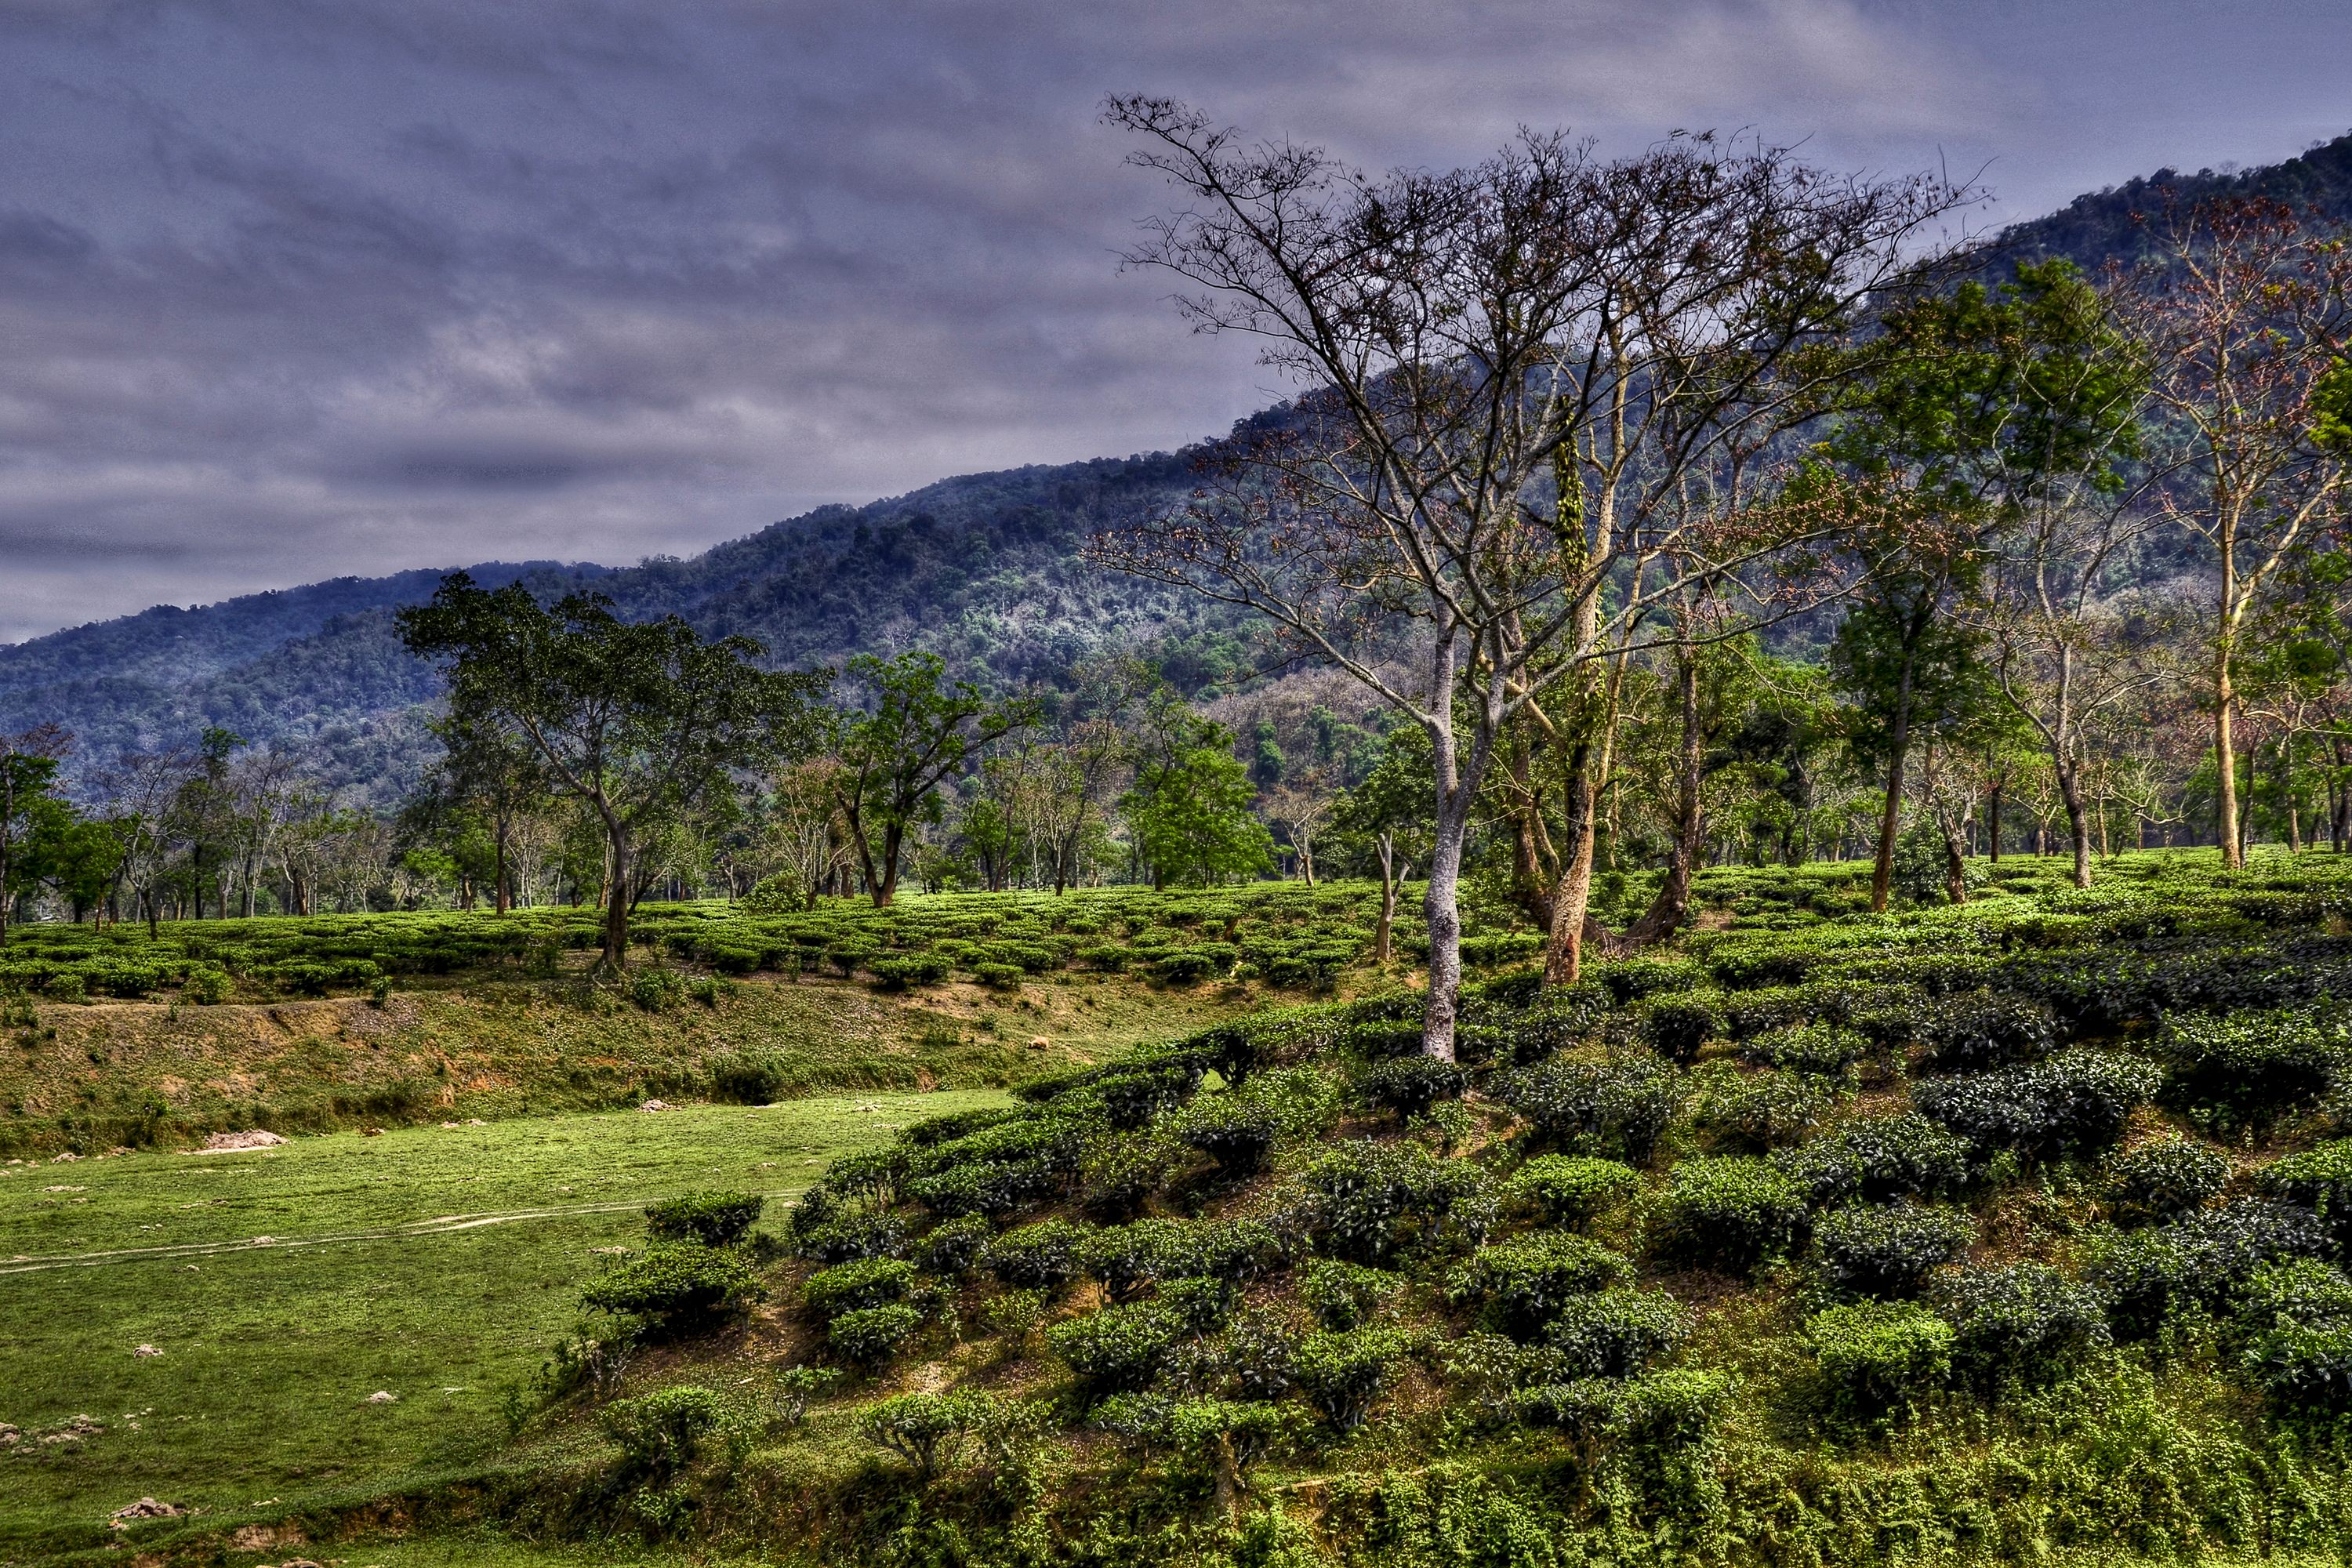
(297, 288)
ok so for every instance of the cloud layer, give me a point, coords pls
(290, 289)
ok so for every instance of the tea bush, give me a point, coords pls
(2024, 1323)
(1042, 1257)
(872, 1335)
(713, 1219)
(1888, 1252)
(1729, 1211)
(1878, 1159)
(676, 1287)
(2249, 1067)
(1117, 1350)
(1877, 1358)
(2075, 1103)
(1344, 1295)
(1523, 1283)
(2319, 1179)
(2163, 1180)
(1615, 1333)
(1619, 1107)
(2295, 1324)
(1343, 1374)
(659, 1434)
(1573, 1190)
(853, 1287)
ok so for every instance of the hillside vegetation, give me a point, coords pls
(1994, 1233)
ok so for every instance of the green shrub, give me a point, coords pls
(900, 973)
(206, 985)
(1117, 1350)
(1878, 1159)
(1888, 1252)
(1757, 1110)
(749, 1077)
(998, 977)
(1238, 1133)
(853, 1287)
(796, 1385)
(1817, 1050)
(872, 1335)
(660, 1433)
(2164, 1180)
(2075, 1103)
(1732, 1211)
(2244, 1068)
(1573, 1190)
(1632, 979)
(2296, 1326)
(711, 1218)
(1976, 1031)
(1342, 1374)
(2025, 1323)
(850, 1237)
(2320, 1179)
(1344, 1295)
(2198, 1264)
(1370, 1201)
(1877, 1357)
(1525, 1282)
(1407, 1086)
(1614, 1333)
(955, 1247)
(1677, 1024)
(676, 1287)
(657, 990)
(925, 1429)
(1619, 1107)
(1042, 1257)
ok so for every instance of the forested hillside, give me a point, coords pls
(984, 569)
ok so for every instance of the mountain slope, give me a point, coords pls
(984, 569)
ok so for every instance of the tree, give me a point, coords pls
(802, 817)
(2243, 313)
(1470, 340)
(1390, 810)
(641, 722)
(1300, 807)
(1189, 812)
(138, 791)
(914, 730)
(33, 819)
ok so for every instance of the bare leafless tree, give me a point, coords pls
(2244, 312)
(1526, 381)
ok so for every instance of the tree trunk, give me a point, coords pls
(1381, 937)
(615, 955)
(2225, 766)
(1881, 873)
(1992, 824)
(1668, 910)
(2070, 790)
(1442, 912)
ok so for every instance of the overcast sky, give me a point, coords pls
(292, 288)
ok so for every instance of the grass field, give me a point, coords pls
(436, 1264)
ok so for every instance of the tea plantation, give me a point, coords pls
(2002, 1232)
(1278, 934)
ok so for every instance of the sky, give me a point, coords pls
(297, 289)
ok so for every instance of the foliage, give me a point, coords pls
(1732, 1211)
(1344, 1295)
(2075, 1103)
(1619, 1107)
(2165, 1179)
(1573, 1190)
(1877, 1358)
(677, 1287)
(660, 1433)
(711, 1218)
(872, 1335)
(1342, 1374)
(1888, 1252)
(2023, 1323)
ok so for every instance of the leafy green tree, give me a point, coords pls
(914, 730)
(1189, 813)
(641, 722)
(33, 819)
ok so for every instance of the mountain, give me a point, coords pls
(2112, 224)
(984, 569)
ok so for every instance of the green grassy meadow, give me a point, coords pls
(259, 1401)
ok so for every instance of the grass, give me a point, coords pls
(269, 1352)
